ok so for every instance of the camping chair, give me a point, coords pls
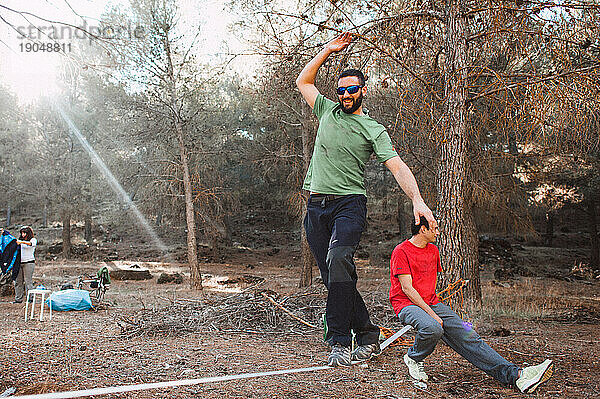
(97, 284)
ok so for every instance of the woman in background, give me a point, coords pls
(24, 281)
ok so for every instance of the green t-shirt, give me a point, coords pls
(343, 146)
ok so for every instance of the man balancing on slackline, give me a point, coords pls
(336, 209)
(413, 273)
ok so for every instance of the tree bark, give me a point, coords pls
(594, 239)
(458, 236)
(45, 214)
(8, 215)
(190, 215)
(159, 216)
(66, 234)
(87, 229)
(400, 216)
(308, 260)
(404, 217)
(228, 230)
(549, 233)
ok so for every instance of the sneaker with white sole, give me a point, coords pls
(339, 356)
(415, 369)
(364, 352)
(533, 376)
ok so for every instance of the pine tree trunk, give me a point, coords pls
(190, 215)
(66, 234)
(159, 216)
(404, 218)
(228, 230)
(458, 236)
(549, 233)
(308, 260)
(594, 239)
(45, 214)
(87, 232)
(88, 229)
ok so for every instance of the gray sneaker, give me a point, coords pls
(415, 369)
(364, 352)
(533, 376)
(339, 356)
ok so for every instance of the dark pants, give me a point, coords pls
(333, 229)
(460, 336)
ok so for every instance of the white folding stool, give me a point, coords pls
(35, 293)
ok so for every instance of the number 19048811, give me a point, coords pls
(45, 47)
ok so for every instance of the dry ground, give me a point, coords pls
(77, 350)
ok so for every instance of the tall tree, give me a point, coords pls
(458, 232)
(14, 154)
(164, 65)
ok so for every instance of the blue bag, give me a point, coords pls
(70, 300)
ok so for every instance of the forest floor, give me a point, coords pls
(150, 332)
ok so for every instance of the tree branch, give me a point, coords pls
(541, 80)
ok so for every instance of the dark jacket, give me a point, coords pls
(10, 255)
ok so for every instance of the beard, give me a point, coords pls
(355, 104)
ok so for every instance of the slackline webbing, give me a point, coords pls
(195, 381)
(166, 384)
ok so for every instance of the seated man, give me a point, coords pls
(413, 269)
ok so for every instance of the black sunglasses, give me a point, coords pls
(351, 90)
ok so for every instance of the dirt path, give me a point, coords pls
(78, 350)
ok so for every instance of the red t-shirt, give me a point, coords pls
(422, 264)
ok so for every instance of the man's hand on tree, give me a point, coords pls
(340, 42)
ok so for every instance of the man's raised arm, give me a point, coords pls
(306, 79)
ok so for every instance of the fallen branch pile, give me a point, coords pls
(261, 311)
